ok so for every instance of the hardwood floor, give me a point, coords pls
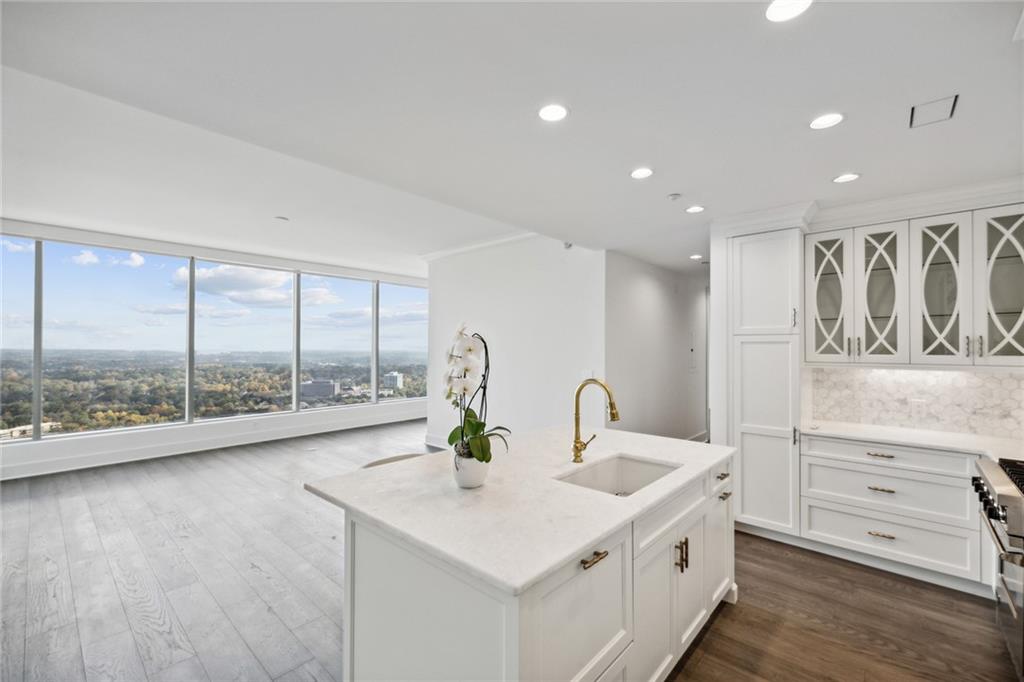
(218, 566)
(806, 616)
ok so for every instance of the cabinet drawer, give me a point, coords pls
(619, 670)
(648, 527)
(946, 549)
(930, 497)
(896, 456)
(721, 475)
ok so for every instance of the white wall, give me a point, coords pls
(541, 308)
(655, 347)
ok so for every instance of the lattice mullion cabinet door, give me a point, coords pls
(999, 286)
(828, 296)
(941, 320)
(881, 322)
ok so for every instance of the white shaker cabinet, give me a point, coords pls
(999, 286)
(765, 412)
(940, 290)
(765, 282)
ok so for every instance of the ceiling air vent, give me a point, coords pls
(933, 112)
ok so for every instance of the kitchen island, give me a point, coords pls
(551, 570)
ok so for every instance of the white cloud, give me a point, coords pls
(355, 317)
(19, 247)
(168, 309)
(202, 310)
(404, 313)
(85, 257)
(134, 260)
(17, 320)
(318, 295)
(249, 286)
(155, 322)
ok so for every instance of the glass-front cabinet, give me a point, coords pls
(999, 286)
(881, 328)
(828, 290)
(940, 290)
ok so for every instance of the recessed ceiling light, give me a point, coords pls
(826, 121)
(641, 173)
(784, 10)
(695, 209)
(552, 113)
(696, 256)
(846, 177)
(281, 217)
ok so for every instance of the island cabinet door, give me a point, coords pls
(718, 547)
(654, 575)
(689, 605)
(574, 623)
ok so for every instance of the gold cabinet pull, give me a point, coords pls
(967, 345)
(881, 490)
(884, 536)
(981, 346)
(683, 547)
(592, 561)
(726, 495)
(881, 455)
(722, 476)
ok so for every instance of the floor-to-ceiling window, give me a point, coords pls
(17, 288)
(243, 346)
(120, 329)
(336, 341)
(114, 338)
(403, 342)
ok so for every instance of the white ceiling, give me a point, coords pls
(441, 100)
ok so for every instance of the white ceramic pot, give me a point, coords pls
(469, 472)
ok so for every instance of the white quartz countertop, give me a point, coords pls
(523, 523)
(987, 446)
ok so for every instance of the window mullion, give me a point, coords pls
(296, 338)
(375, 344)
(37, 344)
(190, 345)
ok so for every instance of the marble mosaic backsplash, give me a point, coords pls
(987, 403)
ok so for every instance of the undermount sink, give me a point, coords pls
(620, 475)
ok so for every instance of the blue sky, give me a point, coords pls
(109, 299)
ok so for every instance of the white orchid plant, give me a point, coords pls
(469, 367)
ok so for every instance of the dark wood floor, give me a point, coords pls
(806, 616)
(219, 566)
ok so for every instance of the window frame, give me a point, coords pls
(42, 233)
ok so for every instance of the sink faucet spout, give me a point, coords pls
(578, 444)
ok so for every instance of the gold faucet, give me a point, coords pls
(578, 444)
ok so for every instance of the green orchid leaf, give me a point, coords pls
(471, 415)
(455, 436)
(474, 427)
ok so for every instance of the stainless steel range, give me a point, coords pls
(1000, 488)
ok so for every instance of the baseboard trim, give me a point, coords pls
(961, 584)
(436, 441)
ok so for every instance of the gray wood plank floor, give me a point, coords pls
(210, 566)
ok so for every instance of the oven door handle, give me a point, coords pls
(1004, 554)
(1003, 595)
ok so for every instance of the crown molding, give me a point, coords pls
(921, 204)
(476, 246)
(766, 220)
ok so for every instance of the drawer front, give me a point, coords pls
(620, 669)
(721, 475)
(897, 456)
(942, 499)
(575, 622)
(946, 549)
(648, 527)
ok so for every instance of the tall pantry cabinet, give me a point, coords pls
(764, 274)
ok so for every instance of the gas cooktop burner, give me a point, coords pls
(1014, 468)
